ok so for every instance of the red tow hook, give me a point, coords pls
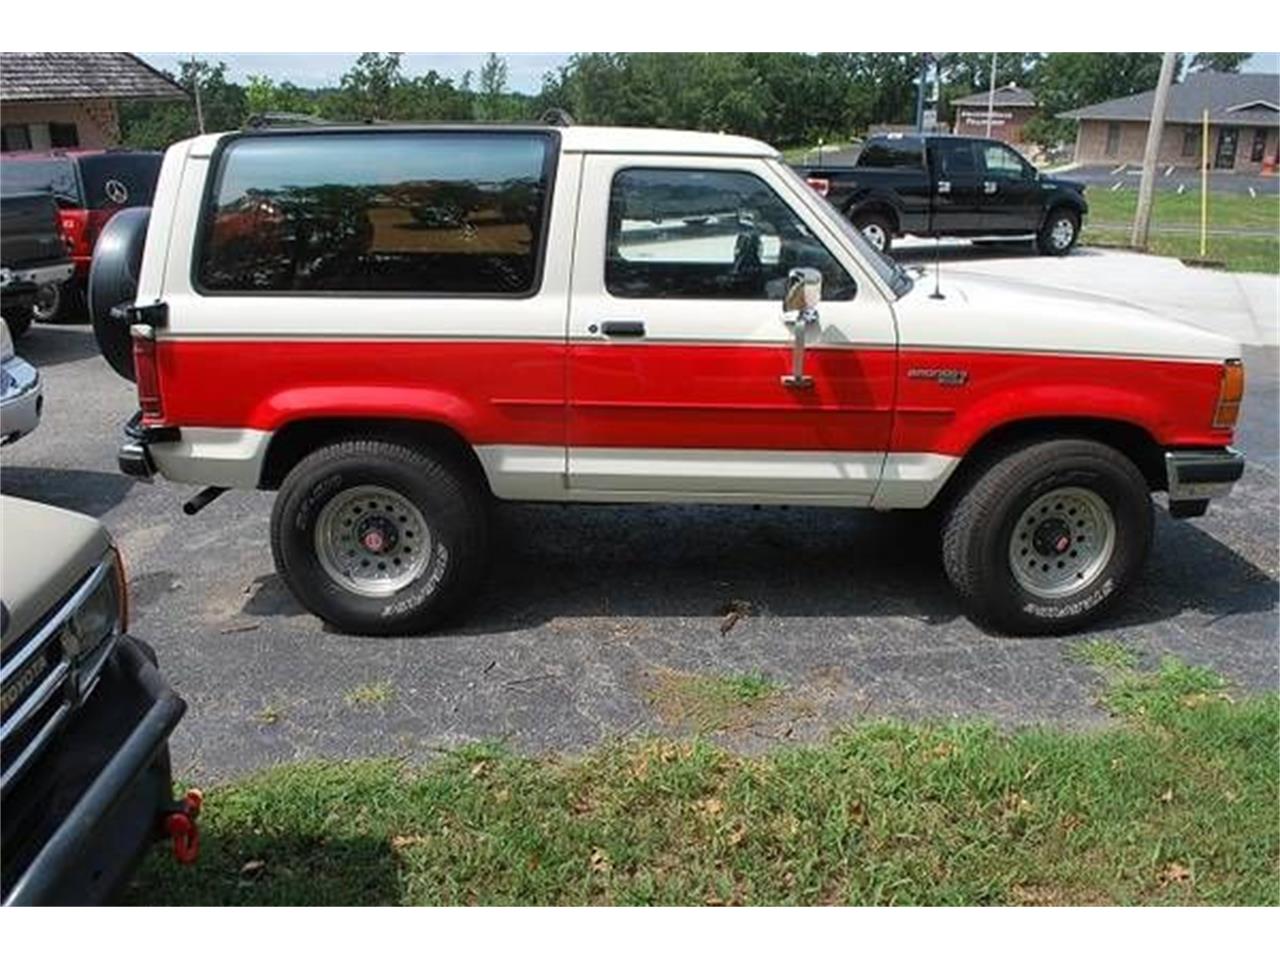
(181, 826)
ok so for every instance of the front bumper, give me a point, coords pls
(78, 821)
(21, 399)
(1197, 476)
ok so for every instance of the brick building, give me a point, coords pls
(1011, 108)
(1244, 117)
(68, 100)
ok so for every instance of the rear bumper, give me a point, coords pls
(79, 820)
(1197, 476)
(21, 279)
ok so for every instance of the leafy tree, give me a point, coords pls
(1066, 81)
(1221, 62)
(367, 90)
(156, 124)
(491, 104)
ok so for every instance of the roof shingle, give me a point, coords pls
(1216, 92)
(1010, 95)
(79, 76)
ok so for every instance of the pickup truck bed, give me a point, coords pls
(32, 254)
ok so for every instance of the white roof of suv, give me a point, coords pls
(577, 139)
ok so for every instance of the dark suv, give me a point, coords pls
(89, 187)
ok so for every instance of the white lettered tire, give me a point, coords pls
(375, 537)
(1048, 536)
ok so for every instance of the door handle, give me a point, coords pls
(988, 186)
(622, 328)
(944, 186)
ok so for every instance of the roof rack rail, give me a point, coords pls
(555, 117)
(260, 120)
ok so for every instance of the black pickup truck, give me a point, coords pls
(945, 186)
(33, 257)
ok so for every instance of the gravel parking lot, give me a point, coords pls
(587, 610)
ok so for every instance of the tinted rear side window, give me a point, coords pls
(891, 153)
(404, 212)
(120, 179)
(42, 176)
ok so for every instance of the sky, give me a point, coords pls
(524, 70)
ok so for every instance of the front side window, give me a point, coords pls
(706, 234)
(387, 212)
(1002, 162)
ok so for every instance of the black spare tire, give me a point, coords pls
(113, 280)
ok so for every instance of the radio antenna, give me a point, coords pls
(937, 269)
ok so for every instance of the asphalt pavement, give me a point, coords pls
(587, 609)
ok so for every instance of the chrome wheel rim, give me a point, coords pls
(372, 541)
(48, 297)
(1062, 542)
(1063, 232)
(875, 235)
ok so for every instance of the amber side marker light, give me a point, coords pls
(1230, 393)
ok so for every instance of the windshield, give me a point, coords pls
(888, 269)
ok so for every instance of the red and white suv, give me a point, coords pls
(391, 325)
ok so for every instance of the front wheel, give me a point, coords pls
(378, 538)
(1048, 536)
(1060, 232)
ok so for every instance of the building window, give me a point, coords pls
(1191, 141)
(1113, 139)
(15, 136)
(1259, 149)
(63, 136)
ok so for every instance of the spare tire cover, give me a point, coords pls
(113, 280)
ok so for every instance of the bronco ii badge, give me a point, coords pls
(947, 377)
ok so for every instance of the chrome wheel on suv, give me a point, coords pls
(379, 536)
(371, 540)
(1061, 542)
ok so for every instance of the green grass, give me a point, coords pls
(1226, 210)
(1247, 254)
(707, 704)
(369, 694)
(1107, 655)
(1175, 803)
(1111, 217)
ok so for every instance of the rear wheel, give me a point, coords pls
(1048, 536)
(1060, 232)
(877, 229)
(378, 538)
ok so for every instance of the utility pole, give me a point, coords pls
(924, 73)
(1142, 217)
(195, 83)
(991, 97)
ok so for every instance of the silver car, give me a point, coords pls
(21, 400)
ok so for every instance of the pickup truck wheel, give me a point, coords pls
(877, 230)
(1060, 232)
(1048, 536)
(378, 538)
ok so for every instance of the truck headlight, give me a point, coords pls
(100, 616)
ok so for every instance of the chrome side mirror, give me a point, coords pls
(804, 293)
(804, 290)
